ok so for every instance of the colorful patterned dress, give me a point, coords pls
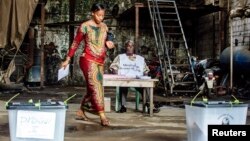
(92, 62)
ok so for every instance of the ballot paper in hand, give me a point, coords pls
(63, 72)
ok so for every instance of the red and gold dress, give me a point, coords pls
(92, 62)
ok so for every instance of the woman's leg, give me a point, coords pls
(93, 73)
(85, 100)
(80, 114)
(104, 120)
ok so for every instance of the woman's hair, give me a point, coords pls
(97, 6)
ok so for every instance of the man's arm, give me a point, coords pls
(145, 68)
(115, 65)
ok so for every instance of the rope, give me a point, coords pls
(6, 104)
(66, 101)
(192, 101)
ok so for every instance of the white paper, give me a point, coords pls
(63, 72)
(144, 77)
(35, 124)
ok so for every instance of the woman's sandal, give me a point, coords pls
(105, 122)
(80, 115)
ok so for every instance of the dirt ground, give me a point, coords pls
(167, 125)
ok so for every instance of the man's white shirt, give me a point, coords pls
(131, 68)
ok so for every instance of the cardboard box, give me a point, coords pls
(107, 104)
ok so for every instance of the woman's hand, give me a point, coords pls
(110, 44)
(65, 63)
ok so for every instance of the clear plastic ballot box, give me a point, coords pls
(201, 114)
(44, 121)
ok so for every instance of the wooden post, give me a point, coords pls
(137, 6)
(136, 27)
(231, 54)
(42, 45)
(71, 18)
(72, 6)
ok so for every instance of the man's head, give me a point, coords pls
(129, 47)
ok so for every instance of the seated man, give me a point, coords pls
(131, 65)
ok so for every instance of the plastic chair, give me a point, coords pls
(118, 102)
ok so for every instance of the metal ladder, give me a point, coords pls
(174, 57)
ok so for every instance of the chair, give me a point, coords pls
(118, 102)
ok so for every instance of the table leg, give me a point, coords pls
(117, 99)
(151, 102)
(144, 100)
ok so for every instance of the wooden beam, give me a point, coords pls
(42, 45)
(137, 6)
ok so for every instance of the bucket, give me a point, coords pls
(34, 74)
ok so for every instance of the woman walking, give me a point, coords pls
(94, 34)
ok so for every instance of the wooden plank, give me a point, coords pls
(129, 83)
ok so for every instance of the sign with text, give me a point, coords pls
(230, 132)
(35, 124)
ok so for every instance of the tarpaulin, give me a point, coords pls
(15, 17)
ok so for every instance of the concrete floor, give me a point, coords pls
(167, 125)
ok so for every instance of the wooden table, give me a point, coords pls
(132, 82)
